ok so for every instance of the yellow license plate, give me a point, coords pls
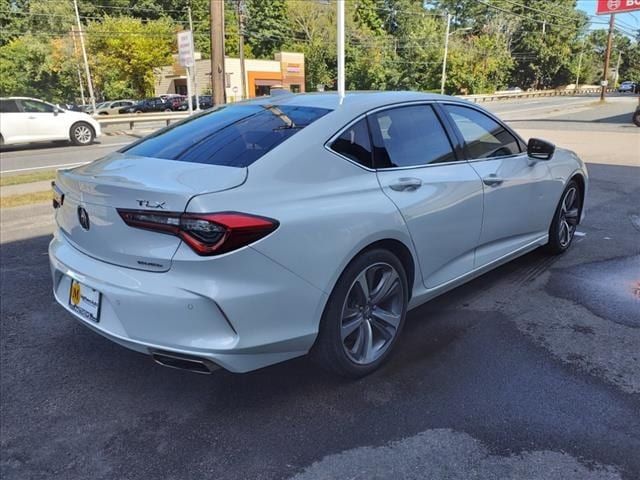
(84, 300)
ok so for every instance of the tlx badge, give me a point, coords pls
(150, 204)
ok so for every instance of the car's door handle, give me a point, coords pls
(492, 181)
(406, 184)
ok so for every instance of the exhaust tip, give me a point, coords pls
(183, 362)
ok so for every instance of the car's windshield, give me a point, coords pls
(232, 135)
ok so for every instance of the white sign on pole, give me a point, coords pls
(185, 48)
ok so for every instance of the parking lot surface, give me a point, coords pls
(530, 371)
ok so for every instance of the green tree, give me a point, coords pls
(124, 52)
(31, 66)
(267, 25)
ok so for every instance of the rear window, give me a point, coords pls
(235, 135)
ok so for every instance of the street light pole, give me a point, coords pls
(84, 56)
(446, 51)
(607, 56)
(617, 77)
(194, 69)
(340, 50)
(579, 67)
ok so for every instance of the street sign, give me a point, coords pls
(607, 7)
(185, 49)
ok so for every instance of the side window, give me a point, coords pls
(354, 143)
(409, 136)
(33, 106)
(483, 136)
(9, 106)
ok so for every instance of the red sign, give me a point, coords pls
(606, 7)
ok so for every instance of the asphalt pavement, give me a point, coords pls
(530, 371)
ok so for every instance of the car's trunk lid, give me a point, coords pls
(122, 181)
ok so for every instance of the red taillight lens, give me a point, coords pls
(206, 233)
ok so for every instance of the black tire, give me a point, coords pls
(81, 133)
(168, 110)
(138, 112)
(636, 118)
(565, 220)
(329, 350)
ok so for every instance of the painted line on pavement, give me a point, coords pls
(45, 167)
(54, 150)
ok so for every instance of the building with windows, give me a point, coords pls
(286, 71)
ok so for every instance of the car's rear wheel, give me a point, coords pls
(82, 133)
(565, 220)
(168, 110)
(364, 315)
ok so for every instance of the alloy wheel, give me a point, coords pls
(82, 134)
(372, 313)
(569, 213)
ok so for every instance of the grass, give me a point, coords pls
(25, 199)
(7, 180)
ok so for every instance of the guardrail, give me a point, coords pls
(168, 117)
(534, 94)
(133, 118)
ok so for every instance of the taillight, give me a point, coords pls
(205, 233)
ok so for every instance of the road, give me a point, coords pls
(22, 159)
(530, 371)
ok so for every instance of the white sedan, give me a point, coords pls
(27, 120)
(258, 232)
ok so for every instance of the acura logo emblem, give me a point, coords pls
(83, 218)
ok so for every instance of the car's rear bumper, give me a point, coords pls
(241, 311)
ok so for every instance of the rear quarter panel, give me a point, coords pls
(328, 209)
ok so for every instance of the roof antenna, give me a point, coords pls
(340, 50)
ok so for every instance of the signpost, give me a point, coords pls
(186, 58)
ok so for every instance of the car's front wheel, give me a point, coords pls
(565, 220)
(82, 134)
(364, 315)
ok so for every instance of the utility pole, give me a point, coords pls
(615, 82)
(446, 52)
(340, 50)
(607, 56)
(579, 67)
(84, 56)
(216, 8)
(243, 81)
(75, 54)
(194, 71)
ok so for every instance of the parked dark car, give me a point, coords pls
(205, 101)
(176, 102)
(155, 104)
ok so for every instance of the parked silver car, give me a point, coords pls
(257, 232)
(113, 107)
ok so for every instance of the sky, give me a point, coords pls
(630, 21)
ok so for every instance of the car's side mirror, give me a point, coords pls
(540, 149)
